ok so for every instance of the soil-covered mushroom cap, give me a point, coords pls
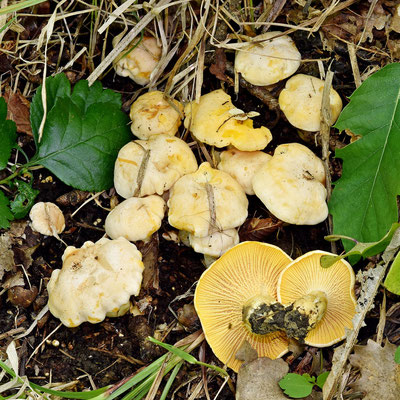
(207, 201)
(47, 218)
(140, 62)
(96, 279)
(301, 102)
(291, 185)
(217, 122)
(145, 167)
(246, 274)
(242, 165)
(216, 244)
(136, 218)
(152, 114)
(304, 278)
(268, 59)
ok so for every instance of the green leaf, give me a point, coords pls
(296, 386)
(8, 137)
(363, 202)
(392, 281)
(5, 213)
(322, 379)
(175, 350)
(361, 249)
(397, 356)
(23, 200)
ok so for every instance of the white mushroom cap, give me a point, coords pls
(268, 59)
(301, 101)
(217, 122)
(140, 62)
(136, 218)
(216, 244)
(96, 279)
(207, 201)
(291, 185)
(152, 114)
(145, 167)
(47, 218)
(242, 165)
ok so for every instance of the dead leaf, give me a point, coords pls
(16, 279)
(219, 67)
(19, 296)
(246, 353)
(149, 252)
(18, 110)
(258, 380)
(6, 255)
(395, 23)
(258, 228)
(380, 375)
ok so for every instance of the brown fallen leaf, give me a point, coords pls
(149, 252)
(258, 228)
(6, 255)
(18, 110)
(19, 296)
(219, 67)
(380, 375)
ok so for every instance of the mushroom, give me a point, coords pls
(245, 276)
(291, 185)
(95, 280)
(207, 201)
(47, 218)
(140, 60)
(153, 114)
(216, 121)
(145, 167)
(267, 59)
(242, 166)
(136, 218)
(322, 299)
(301, 100)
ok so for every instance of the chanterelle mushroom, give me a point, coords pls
(301, 101)
(207, 201)
(47, 218)
(291, 185)
(145, 167)
(245, 275)
(216, 121)
(267, 59)
(95, 280)
(136, 218)
(140, 62)
(152, 114)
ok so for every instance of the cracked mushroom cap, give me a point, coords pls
(140, 62)
(301, 101)
(217, 122)
(136, 218)
(267, 59)
(95, 280)
(242, 166)
(207, 201)
(146, 167)
(153, 114)
(245, 273)
(291, 185)
(304, 276)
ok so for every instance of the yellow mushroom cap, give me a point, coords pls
(215, 121)
(246, 272)
(305, 275)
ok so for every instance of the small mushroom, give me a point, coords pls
(242, 166)
(95, 280)
(245, 275)
(291, 185)
(216, 121)
(146, 167)
(139, 61)
(301, 101)
(152, 114)
(136, 218)
(267, 59)
(47, 218)
(207, 201)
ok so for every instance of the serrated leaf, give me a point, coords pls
(8, 135)
(366, 192)
(322, 379)
(296, 386)
(392, 281)
(5, 213)
(23, 200)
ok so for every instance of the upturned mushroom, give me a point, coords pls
(95, 280)
(153, 114)
(267, 59)
(291, 185)
(217, 122)
(146, 167)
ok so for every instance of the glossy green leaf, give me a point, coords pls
(5, 214)
(8, 136)
(24, 199)
(296, 386)
(322, 379)
(363, 202)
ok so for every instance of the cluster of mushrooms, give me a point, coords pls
(254, 292)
